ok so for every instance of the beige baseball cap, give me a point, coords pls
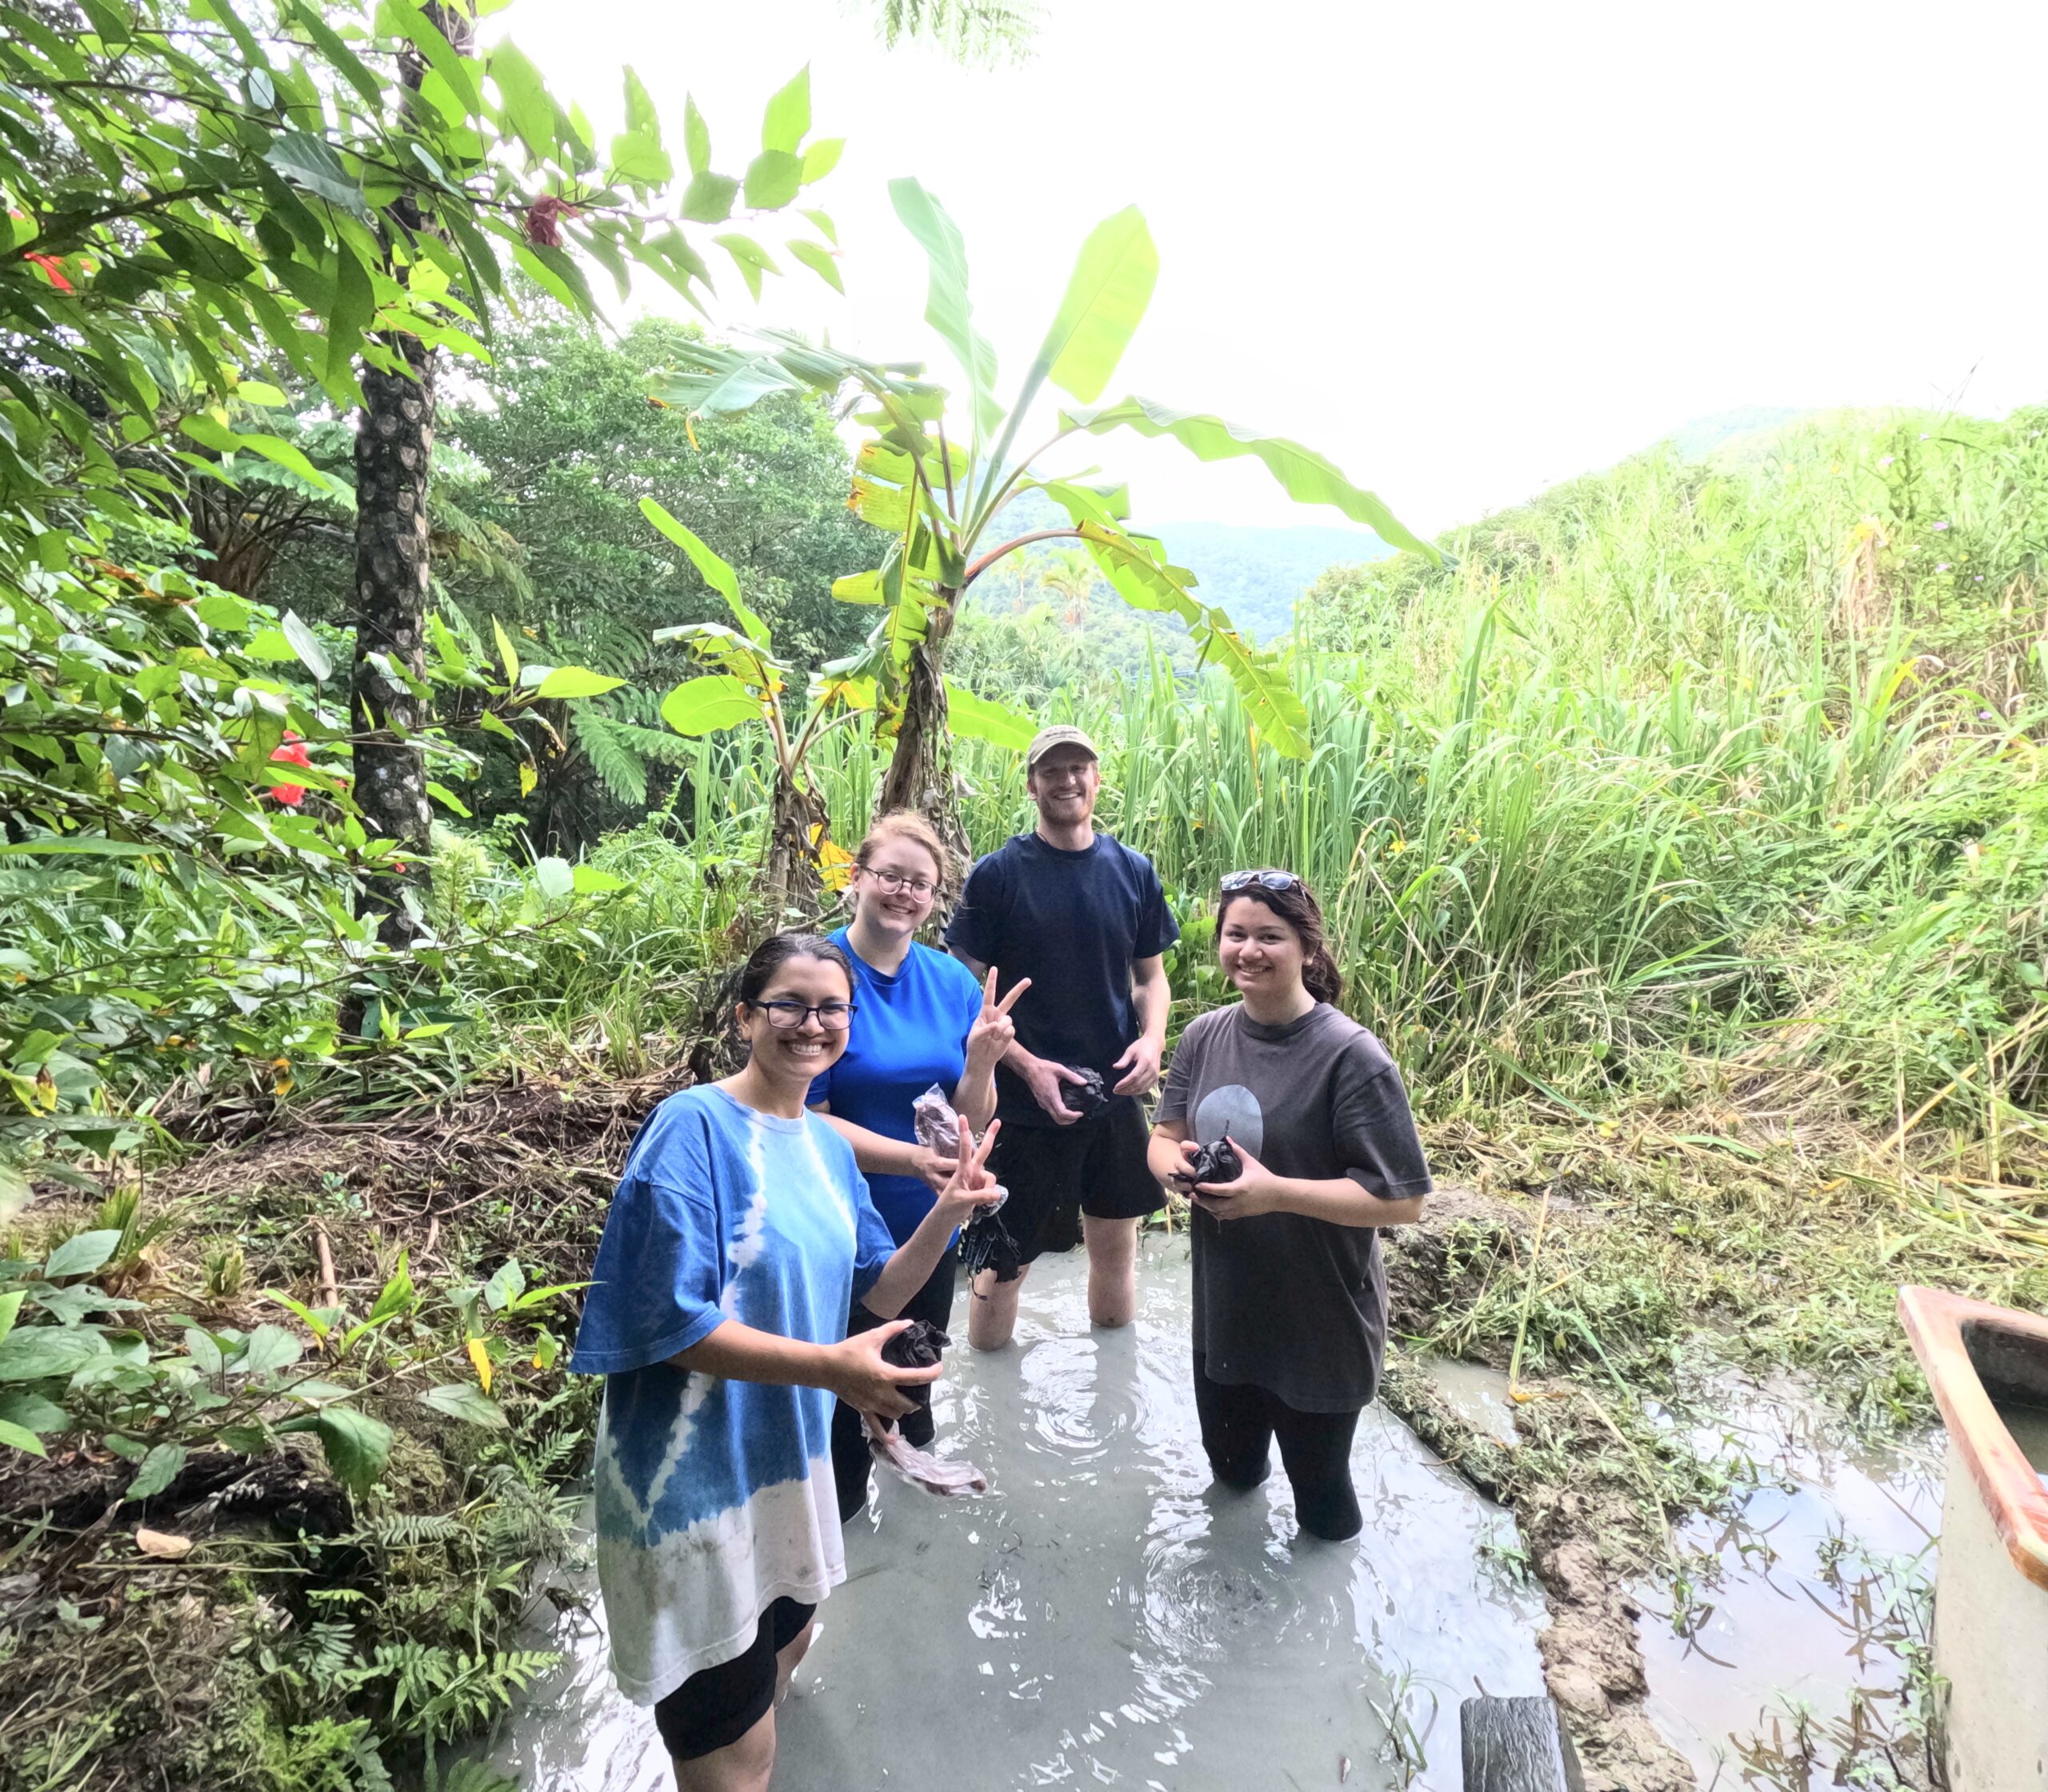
(1063, 735)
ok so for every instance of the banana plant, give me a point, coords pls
(939, 502)
(743, 682)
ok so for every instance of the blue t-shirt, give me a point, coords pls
(1073, 923)
(715, 1497)
(910, 1031)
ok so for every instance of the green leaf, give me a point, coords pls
(268, 1348)
(505, 1286)
(466, 1401)
(11, 1305)
(222, 609)
(590, 881)
(205, 1349)
(26, 1408)
(750, 258)
(447, 799)
(980, 719)
(306, 645)
(507, 655)
(947, 307)
(821, 158)
(1105, 299)
(1305, 476)
(354, 307)
(356, 1445)
(640, 160)
(83, 1254)
(820, 261)
(696, 137)
(787, 121)
(312, 162)
(709, 705)
(276, 449)
(774, 179)
(574, 680)
(16, 1436)
(527, 106)
(858, 588)
(318, 1322)
(640, 113)
(556, 880)
(714, 571)
(709, 198)
(159, 1469)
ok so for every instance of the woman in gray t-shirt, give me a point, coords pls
(1289, 1293)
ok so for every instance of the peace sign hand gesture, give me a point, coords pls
(971, 1187)
(993, 1031)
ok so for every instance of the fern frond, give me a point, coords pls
(972, 31)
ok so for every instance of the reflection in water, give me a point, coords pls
(1788, 1643)
(1103, 1615)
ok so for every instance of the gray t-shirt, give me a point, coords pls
(1293, 1305)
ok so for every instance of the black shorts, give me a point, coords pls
(712, 1710)
(1055, 1174)
(851, 1457)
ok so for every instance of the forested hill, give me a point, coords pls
(1255, 573)
(1258, 574)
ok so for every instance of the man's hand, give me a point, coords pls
(1047, 1082)
(1141, 1066)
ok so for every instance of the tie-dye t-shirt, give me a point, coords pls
(715, 1497)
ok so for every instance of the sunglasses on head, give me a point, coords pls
(1264, 880)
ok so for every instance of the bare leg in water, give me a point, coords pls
(1112, 1285)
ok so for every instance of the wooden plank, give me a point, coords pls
(1517, 1745)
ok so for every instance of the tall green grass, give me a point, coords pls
(1740, 759)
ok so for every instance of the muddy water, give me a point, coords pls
(1102, 1617)
(1795, 1613)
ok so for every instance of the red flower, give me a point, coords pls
(51, 266)
(292, 753)
(543, 221)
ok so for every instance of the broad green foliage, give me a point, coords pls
(74, 1365)
(200, 198)
(938, 500)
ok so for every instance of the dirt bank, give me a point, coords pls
(1587, 1535)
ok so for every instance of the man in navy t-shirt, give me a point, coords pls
(1084, 917)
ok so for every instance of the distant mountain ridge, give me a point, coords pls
(1258, 574)
(1255, 573)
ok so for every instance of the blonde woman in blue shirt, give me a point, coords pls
(922, 1021)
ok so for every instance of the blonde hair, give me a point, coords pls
(907, 824)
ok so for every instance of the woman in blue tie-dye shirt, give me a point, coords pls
(740, 1234)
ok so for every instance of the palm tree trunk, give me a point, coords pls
(393, 446)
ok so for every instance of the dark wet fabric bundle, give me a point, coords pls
(1087, 1096)
(917, 1346)
(986, 1245)
(1215, 1162)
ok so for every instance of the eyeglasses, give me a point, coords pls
(1264, 880)
(894, 881)
(785, 1017)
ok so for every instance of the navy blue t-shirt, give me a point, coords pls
(1073, 923)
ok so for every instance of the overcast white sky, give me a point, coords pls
(1465, 250)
